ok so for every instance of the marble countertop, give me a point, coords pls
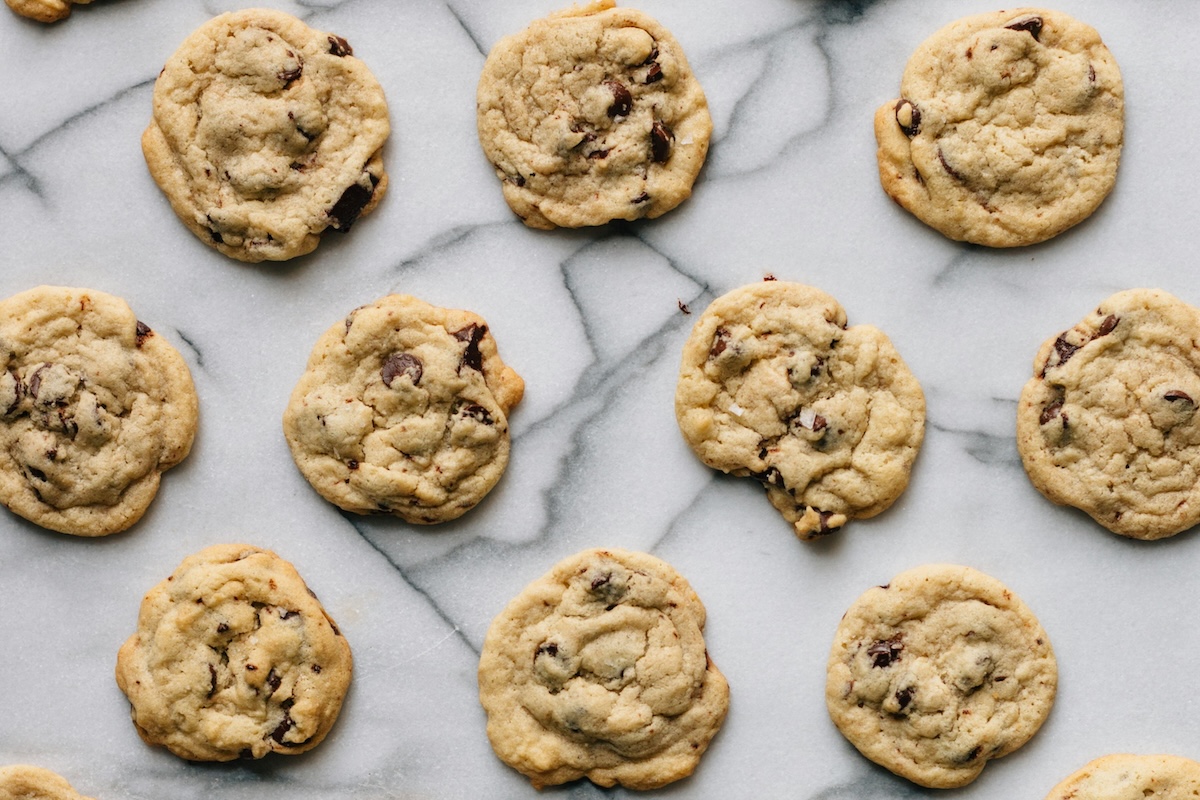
(592, 321)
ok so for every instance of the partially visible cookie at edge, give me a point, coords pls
(775, 386)
(25, 782)
(94, 406)
(44, 10)
(403, 409)
(234, 657)
(266, 134)
(599, 669)
(612, 125)
(1109, 421)
(1008, 129)
(1123, 776)
(939, 671)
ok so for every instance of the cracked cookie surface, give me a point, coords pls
(1124, 776)
(403, 409)
(265, 134)
(598, 669)
(1008, 129)
(939, 671)
(24, 782)
(774, 385)
(45, 10)
(590, 115)
(1109, 424)
(94, 406)
(234, 657)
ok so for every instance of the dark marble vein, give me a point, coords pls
(483, 51)
(196, 353)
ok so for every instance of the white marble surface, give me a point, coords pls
(591, 320)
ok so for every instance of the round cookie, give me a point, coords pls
(937, 672)
(1132, 777)
(1008, 129)
(265, 134)
(234, 657)
(591, 115)
(598, 669)
(23, 782)
(1109, 424)
(93, 407)
(404, 409)
(773, 385)
(44, 10)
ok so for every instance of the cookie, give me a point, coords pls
(774, 385)
(234, 657)
(592, 115)
(1132, 777)
(939, 671)
(1108, 423)
(1008, 128)
(94, 406)
(598, 669)
(404, 409)
(23, 782)
(265, 134)
(44, 10)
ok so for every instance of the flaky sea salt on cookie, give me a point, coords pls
(1132, 777)
(1008, 128)
(590, 115)
(24, 782)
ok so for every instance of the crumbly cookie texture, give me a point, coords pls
(24, 782)
(599, 670)
(265, 134)
(234, 657)
(44, 10)
(775, 386)
(404, 409)
(1124, 776)
(591, 115)
(94, 406)
(939, 671)
(1008, 128)
(1109, 423)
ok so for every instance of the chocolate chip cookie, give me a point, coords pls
(234, 657)
(774, 385)
(939, 671)
(267, 133)
(23, 782)
(1132, 777)
(1109, 424)
(1008, 128)
(598, 669)
(404, 410)
(591, 115)
(94, 406)
(44, 10)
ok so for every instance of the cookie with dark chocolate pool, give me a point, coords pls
(404, 410)
(266, 134)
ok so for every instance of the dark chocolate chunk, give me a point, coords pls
(1108, 325)
(35, 382)
(1176, 394)
(292, 74)
(212, 680)
(622, 102)
(600, 580)
(281, 730)
(599, 154)
(1032, 25)
(654, 74)
(904, 697)
(908, 117)
(770, 477)
(1064, 349)
(720, 342)
(885, 652)
(1050, 412)
(949, 169)
(472, 335)
(339, 46)
(398, 364)
(641, 198)
(142, 333)
(356, 197)
(476, 412)
(662, 139)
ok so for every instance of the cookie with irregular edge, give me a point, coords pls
(774, 385)
(44, 10)
(939, 671)
(94, 406)
(1132, 777)
(590, 115)
(23, 782)
(265, 134)
(403, 409)
(1008, 129)
(598, 669)
(1109, 424)
(234, 657)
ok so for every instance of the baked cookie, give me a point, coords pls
(1008, 129)
(93, 407)
(1129, 777)
(234, 657)
(44, 10)
(591, 115)
(773, 385)
(23, 782)
(265, 134)
(404, 409)
(1109, 424)
(938, 672)
(598, 669)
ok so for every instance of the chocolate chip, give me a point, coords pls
(212, 680)
(356, 197)
(1091, 74)
(291, 75)
(1108, 325)
(287, 613)
(885, 652)
(339, 46)
(1176, 394)
(600, 580)
(1033, 25)
(1064, 349)
(720, 342)
(770, 477)
(398, 364)
(547, 649)
(904, 697)
(222, 627)
(1050, 412)
(142, 332)
(825, 528)
(654, 74)
(662, 139)
(818, 424)
(352, 464)
(641, 198)
(622, 102)
(476, 412)
(35, 382)
(595, 154)
(281, 730)
(971, 756)
(472, 335)
(908, 117)
(949, 169)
